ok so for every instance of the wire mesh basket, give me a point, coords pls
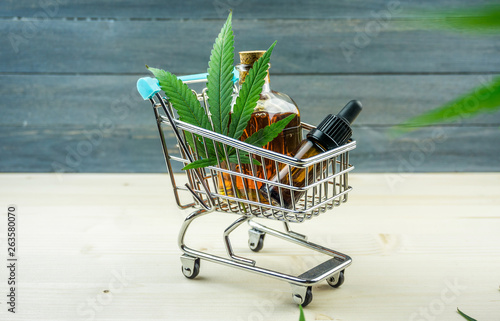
(243, 189)
(254, 183)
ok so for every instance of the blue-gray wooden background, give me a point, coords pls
(68, 70)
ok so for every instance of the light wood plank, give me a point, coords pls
(75, 47)
(83, 234)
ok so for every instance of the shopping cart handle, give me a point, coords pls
(148, 86)
(194, 78)
(203, 77)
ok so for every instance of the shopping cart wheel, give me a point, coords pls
(256, 240)
(336, 280)
(303, 296)
(190, 266)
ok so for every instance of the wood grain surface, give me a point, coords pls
(104, 247)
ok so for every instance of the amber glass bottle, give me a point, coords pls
(332, 132)
(271, 107)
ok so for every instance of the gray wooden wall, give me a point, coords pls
(68, 69)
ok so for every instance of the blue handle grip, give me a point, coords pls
(148, 86)
(193, 77)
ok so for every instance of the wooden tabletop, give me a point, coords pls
(104, 247)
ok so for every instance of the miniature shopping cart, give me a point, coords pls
(214, 188)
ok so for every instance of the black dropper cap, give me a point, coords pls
(335, 130)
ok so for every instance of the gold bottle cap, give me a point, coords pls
(250, 57)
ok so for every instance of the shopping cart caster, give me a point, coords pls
(190, 266)
(336, 280)
(302, 295)
(255, 240)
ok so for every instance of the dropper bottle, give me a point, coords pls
(332, 132)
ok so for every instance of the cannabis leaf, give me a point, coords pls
(475, 19)
(480, 19)
(465, 315)
(188, 107)
(182, 98)
(260, 138)
(249, 95)
(244, 158)
(219, 91)
(201, 163)
(212, 161)
(301, 316)
(200, 145)
(267, 134)
(487, 97)
(220, 78)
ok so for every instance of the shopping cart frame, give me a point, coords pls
(204, 185)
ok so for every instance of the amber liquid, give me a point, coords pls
(300, 177)
(285, 143)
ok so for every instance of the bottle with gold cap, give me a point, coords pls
(271, 107)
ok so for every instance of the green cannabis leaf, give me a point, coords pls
(267, 134)
(301, 317)
(219, 91)
(486, 98)
(212, 161)
(201, 163)
(475, 19)
(200, 146)
(259, 139)
(220, 78)
(244, 158)
(182, 98)
(478, 19)
(249, 95)
(188, 107)
(465, 315)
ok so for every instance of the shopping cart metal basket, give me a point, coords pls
(227, 188)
